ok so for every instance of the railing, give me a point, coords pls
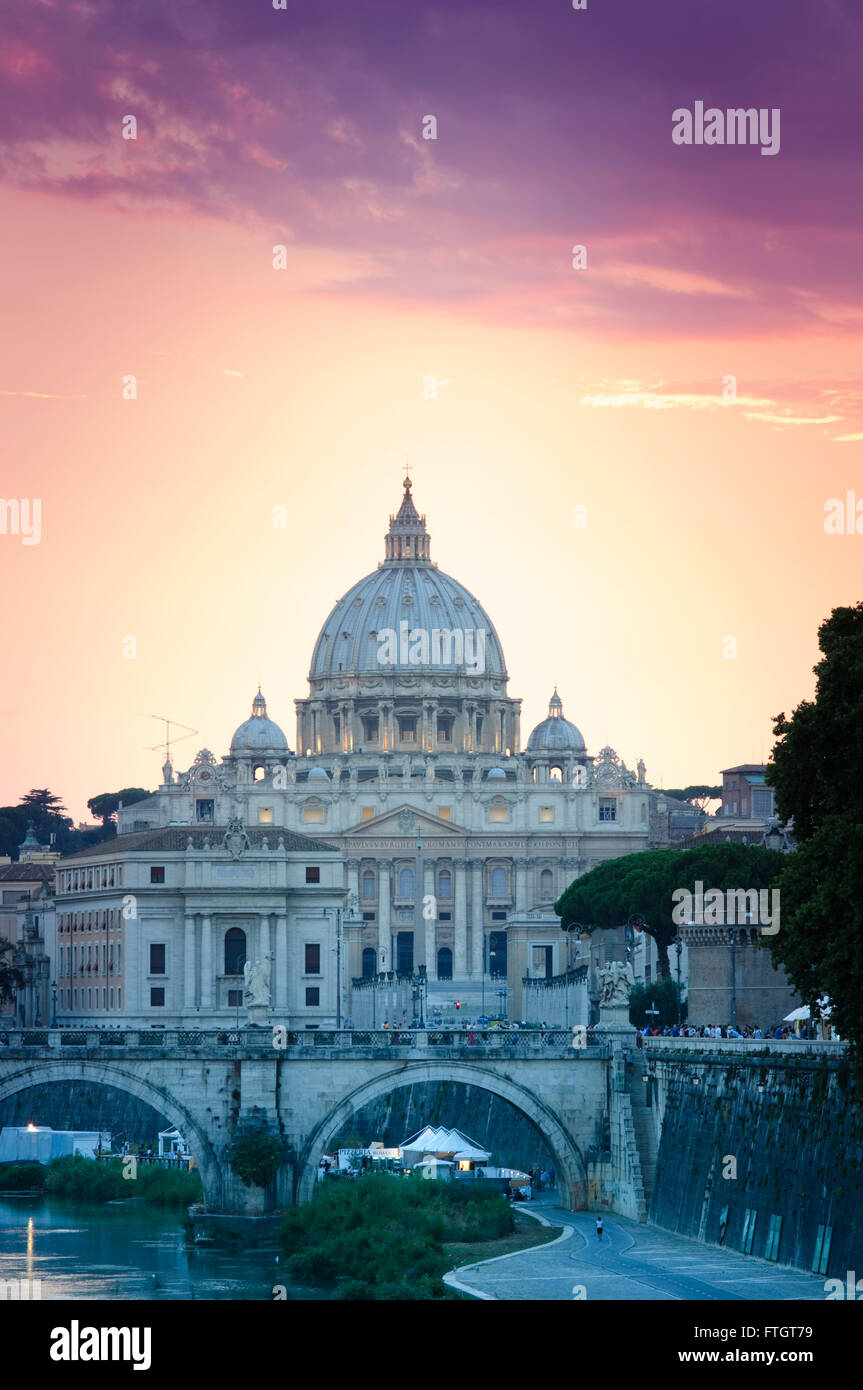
(282, 1040)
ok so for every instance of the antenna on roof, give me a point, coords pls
(168, 739)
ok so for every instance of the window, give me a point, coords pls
(89, 998)
(498, 812)
(235, 998)
(313, 873)
(546, 885)
(313, 813)
(444, 730)
(498, 883)
(555, 774)
(546, 814)
(370, 730)
(370, 962)
(205, 811)
(445, 812)
(260, 773)
(157, 997)
(313, 996)
(369, 916)
(498, 916)
(111, 995)
(762, 802)
(119, 999)
(444, 963)
(408, 730)
(404, 951)
(265, 815)
(368, 812)
(497, 953)
(406, 883)
(235, 951)
(157, 958)
(444, 884)
(607, 808)
(541, 968)
(444, 916)
(157, 875)
(368, 886)
(313, 958)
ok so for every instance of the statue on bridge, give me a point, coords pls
(256, 975)
(616, 981)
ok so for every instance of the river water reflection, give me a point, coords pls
(81, 1251)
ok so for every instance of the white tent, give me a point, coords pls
(450, 1143)
(798, 1015)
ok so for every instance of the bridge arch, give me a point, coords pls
(569, 1160)
(110, 1074)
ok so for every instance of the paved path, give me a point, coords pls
(632, 1262)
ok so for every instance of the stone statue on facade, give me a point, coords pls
(236, 840)
(642, 772)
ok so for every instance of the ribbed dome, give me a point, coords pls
(259, 734)
(555, 734)
(406, 593)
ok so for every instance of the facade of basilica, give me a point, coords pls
(410, 827)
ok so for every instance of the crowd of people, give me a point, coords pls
(780, 1032)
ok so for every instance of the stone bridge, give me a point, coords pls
(304, 1087)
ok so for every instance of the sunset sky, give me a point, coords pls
(410, 259)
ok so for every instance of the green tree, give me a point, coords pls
(256, 1159)
(639, 887)
(11, 978)
(660, 996)
(816, 769)
(104, 806)
(697, 795)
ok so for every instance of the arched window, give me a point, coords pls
(555, 774)
(368, 886)
(444, 884)
(546, 884)
(235, 951)
(259, 773)
(370, 962)
(498, 883)
(406, 883)
(444, 963)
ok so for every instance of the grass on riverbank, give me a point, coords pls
(392, 1238)
(526, 1233)
(92, 1180)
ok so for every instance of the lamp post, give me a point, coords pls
(54, 1005)
(678, 946)
(569, 928)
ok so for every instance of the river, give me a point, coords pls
(81, 1251)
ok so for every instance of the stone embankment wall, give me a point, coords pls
(761, 1151)
(81, 1105)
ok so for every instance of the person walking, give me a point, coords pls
(599, 1228)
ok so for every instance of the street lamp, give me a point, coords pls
(569, 928)
(678, 946)
(54, 1005)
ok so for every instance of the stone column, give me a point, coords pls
(206, 963)
(520, 885)
(477, 931)
(385, 955)
(280, 993)
(460, 920)
(430, 923)
(353, 867)
(263, 935)
(189, 963)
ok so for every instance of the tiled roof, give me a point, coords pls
(176, 837)
(27, 873)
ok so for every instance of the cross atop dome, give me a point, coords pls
(407, 538)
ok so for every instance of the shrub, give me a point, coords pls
(22, 1177)
(256, 1159)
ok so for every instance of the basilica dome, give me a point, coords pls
(391, 617)
(555, 734)
(259, 734)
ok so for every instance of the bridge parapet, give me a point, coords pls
(404, 1044)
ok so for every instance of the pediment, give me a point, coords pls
(405, 820)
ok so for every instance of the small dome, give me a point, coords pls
(259, 734)
(555, 734)
(495, 773)
(319, 773)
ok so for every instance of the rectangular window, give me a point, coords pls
(498, 813)
(104, 997)
(546, 813)
(368, 812)
(445, 812)
(444, 916)
(157, 997)
(111, 995)
(498, 916)
(313, 815)
(370, 727)
(408, 730)
(205, 811)
(313, 958)
(313, 873)
(157, 958)
(762, 801)
(89, 999)
(313, 996)
(75, 994)
(369, 916)
(119, 954)
(265, 815)
(235, 998)
(157, 875)
(119, 999)
(607, 808)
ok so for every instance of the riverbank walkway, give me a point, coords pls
(631, 1262)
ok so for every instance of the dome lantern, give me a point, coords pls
(407, 538)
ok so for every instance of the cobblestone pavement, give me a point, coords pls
(632, 1262)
